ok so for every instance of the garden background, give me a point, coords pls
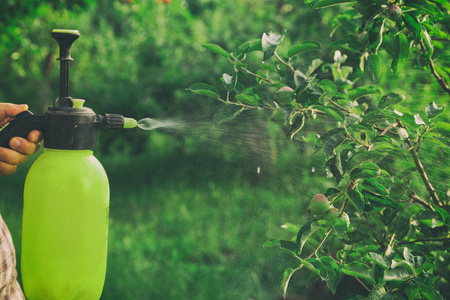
(191, 204)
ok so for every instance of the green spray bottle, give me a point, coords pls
(66, 196)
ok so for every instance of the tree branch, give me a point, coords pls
(417, 199)
(421, 169)
(439, 78)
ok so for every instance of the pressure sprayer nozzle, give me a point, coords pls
(129, 123)
(113, 121)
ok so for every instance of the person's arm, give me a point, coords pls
(20, 147)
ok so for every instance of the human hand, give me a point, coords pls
(20, 147)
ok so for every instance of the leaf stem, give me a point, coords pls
(337, 105)
(256, 75)
(320, 244)
(362, 283)
(415, 198)
(283, 62)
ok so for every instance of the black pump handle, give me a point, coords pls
(21, 126)
(65, 38)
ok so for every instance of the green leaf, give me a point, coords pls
(351, 119)
(390, 99)
(329, 87)
(249, 46)
(412, 289)
(378, 259)
(432, 110)
(359, 270)
(375, 66)
(427, 41)
(216, 48)
(248, 99)
(270, 43)
(377, 293)
(429, 292)
(285, 280)
(381, 200)
(375, 187)
(421, 5)
(301, 80)
(412, 24)
(205, 90)
(365, 156)
(329, 111)
(398, 274)
(284, 246)
(431, 219)
(361, 92)
(332, 142)
(304, 233)
(303, 47)
(285, 96)
(444, 3)
(227, 113)
(325, 3)
(413, 260)
(357, 199)
(366, 170)
(401, 47)
(376, 34)
(328, 271)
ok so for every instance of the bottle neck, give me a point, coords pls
(71, 152)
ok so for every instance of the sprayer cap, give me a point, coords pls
(78, 103)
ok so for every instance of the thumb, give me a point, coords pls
(9, 110)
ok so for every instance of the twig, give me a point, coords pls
(320, 244)
(390, 127)
(256, 75)
(337, 105)
(421, 169)
(283, 62)
(362, 283)
(415, 198)
(439, 78)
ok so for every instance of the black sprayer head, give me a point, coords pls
(66, 125)
(65, 39)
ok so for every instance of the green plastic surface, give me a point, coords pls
(65, 227)
(66, 31)
(129, 123)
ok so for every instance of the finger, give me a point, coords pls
(7, 169)
(9, 110)
(11, 157)
(35, 136)
(23, 146)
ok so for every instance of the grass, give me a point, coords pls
(203, 243)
